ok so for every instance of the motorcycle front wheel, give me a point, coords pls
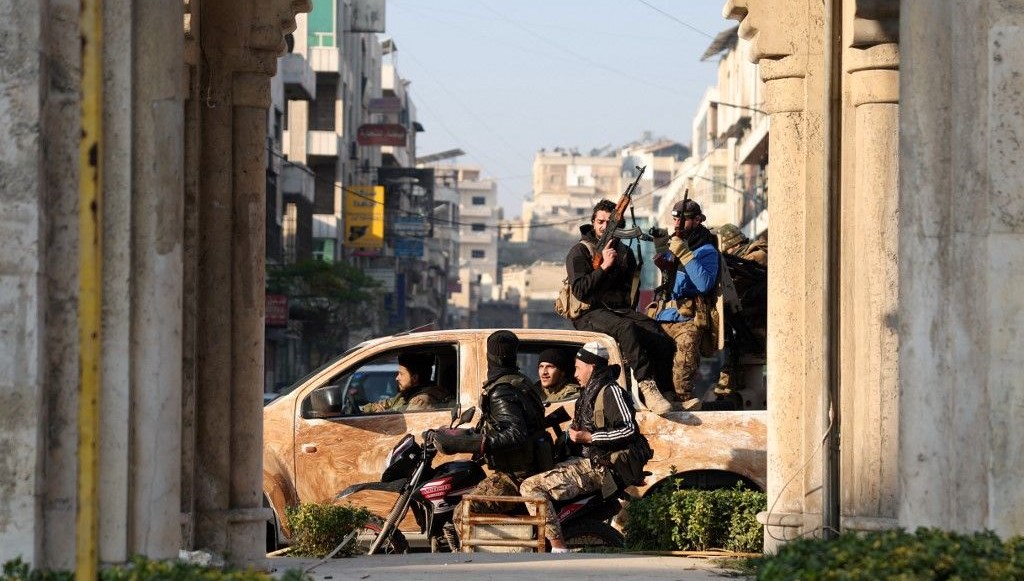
(395, 544)
(592, 535)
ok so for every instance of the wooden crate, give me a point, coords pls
(502, 531)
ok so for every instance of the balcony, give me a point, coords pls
(325, 59)
(298, 77)
(470, 237)
(298, 180)
(323, 143)
(471, 211)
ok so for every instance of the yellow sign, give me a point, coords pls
(364, 217)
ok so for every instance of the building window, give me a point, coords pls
(478, 227)
(718, 185)
(478, 254)
(479, 200)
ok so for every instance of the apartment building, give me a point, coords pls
(727, 172)
(566, 184)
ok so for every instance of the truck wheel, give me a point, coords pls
(591, 535)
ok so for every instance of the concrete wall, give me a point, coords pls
(961, 313)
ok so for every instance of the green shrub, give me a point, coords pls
(318, 528)
(142, 569)
(673, 518)
(897, 554)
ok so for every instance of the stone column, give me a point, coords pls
(140, 280)
(230, 84)
(157, 261)
(23, 284)
(869, 344)
(961, 310)
(787, 45)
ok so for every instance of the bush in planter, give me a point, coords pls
(316, 529)
(696, 520)
(143, 569)
(897, 554)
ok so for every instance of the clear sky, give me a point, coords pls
(503, 80)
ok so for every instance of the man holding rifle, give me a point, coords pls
(610, 291)
(690, 258)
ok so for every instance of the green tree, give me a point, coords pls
(329, 299)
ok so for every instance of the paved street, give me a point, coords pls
(506, 567)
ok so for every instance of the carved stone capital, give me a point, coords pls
(775, 28)
(245, 36)
(873, 57)
(875, 22)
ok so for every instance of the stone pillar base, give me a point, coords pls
(240, 533)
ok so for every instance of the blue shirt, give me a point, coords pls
(697, 277)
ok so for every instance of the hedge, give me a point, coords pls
(317, 529)
(925, 554)
(142, 569)
(674, 518)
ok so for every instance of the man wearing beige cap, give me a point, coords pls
(604, 423)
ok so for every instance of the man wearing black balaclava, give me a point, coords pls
(511, 435)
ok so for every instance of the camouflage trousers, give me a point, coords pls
(687, 336)
(568, 479)
(495, 484)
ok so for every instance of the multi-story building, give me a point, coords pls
(566, 185)
(727, 172)
(474, 236)
(341, 181)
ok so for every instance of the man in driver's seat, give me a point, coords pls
(414, 390)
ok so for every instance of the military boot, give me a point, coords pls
(653, 398)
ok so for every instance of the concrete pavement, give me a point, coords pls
(505, 567)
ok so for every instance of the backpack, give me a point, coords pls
(627, 464)
(566, 304)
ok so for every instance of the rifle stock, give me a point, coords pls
(617, 216)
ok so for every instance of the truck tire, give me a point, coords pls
(587, 535)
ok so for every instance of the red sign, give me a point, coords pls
(277, 311)
(381, 134)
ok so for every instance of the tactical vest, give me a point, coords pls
(628, 463)
(537, 454)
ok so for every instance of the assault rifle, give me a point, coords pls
(668, 275)
(617, 217)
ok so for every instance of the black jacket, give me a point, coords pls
(599, 288)
(513, 419)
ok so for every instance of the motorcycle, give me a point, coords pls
(434, 492)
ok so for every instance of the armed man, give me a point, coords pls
(692, 261)
(747, 261)
(606, 280)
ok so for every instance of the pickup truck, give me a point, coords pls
(314, 445)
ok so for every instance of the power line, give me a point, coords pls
(667, 15)
(393, 211)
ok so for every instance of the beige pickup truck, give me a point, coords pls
(316, 442)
